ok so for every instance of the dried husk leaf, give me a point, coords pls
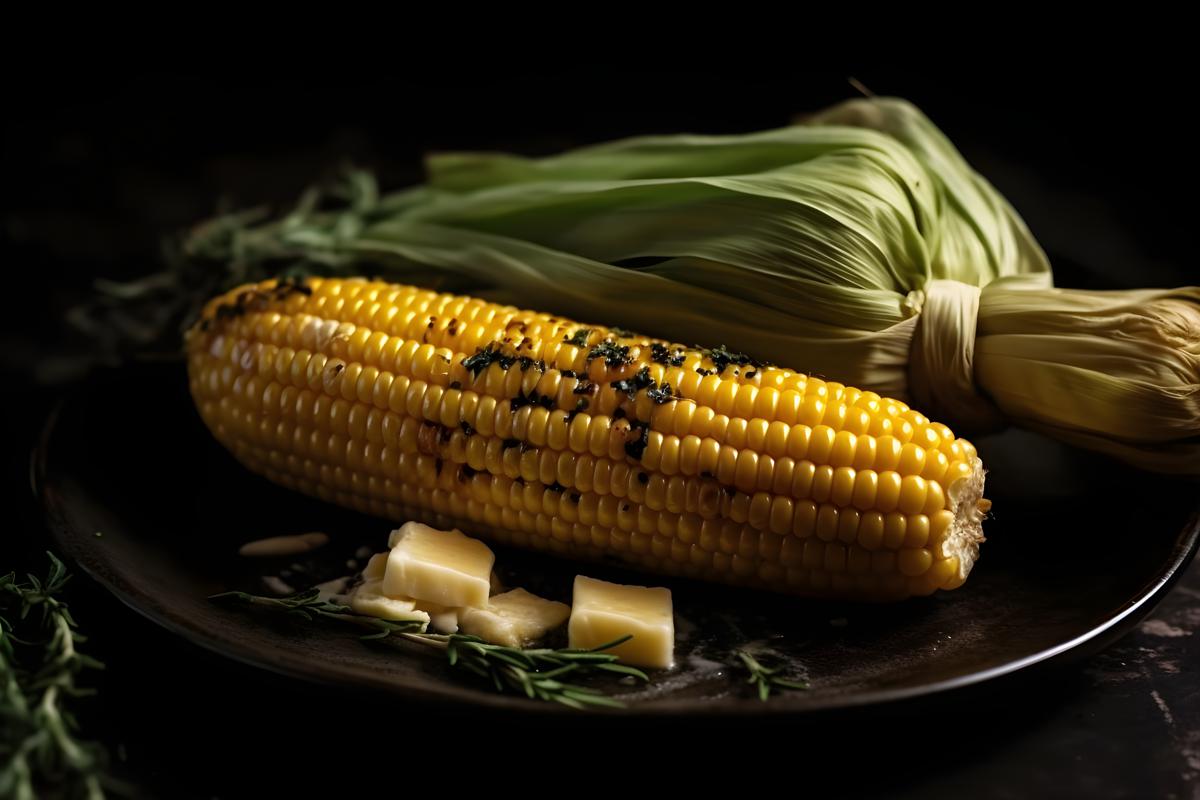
(815, 246)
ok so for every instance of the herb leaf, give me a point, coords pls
(531, 672)
(40, 754)
(766, 679)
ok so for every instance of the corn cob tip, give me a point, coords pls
(966, 531)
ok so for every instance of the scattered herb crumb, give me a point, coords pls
(579, 338)
(661, 394)
(614, 355)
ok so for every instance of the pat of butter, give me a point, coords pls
(514, 619)
(443, 567)
(375, 568)
(602, 612)
(369, 599)
(399, 533)
(441, 618)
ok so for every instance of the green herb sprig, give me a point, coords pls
(40, 754)
(145, 318)
(309, 605)
(766, 679)
(536, 672)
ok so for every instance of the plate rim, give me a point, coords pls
(1138, 606)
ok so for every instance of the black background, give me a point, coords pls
(99, 167)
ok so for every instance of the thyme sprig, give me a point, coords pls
(535, 672)
(766, 679)
(40, 754)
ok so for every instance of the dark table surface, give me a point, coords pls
(108, 167)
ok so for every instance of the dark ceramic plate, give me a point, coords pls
(146, 502)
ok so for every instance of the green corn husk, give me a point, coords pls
(858, 245)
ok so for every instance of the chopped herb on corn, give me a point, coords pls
(459, 412)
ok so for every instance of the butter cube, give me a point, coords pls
(602, 612)
(443, 567)
(514, 619)
(396, 535)
(369, 599)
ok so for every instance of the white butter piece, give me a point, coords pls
(514, 619)
(375, 568)
(396, 535)
(445, 621)
(602, 612)
(442, 619)
(369, 599)
(443, 567)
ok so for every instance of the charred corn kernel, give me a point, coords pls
(536, 431)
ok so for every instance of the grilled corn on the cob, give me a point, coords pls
(540, 432)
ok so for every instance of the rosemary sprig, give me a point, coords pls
(766, 679)
(39, 753)
(535, 672)
(145, 317)
(309, 605)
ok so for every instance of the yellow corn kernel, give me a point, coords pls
(913, 562)
(408, 403)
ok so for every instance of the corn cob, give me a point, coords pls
(539, 432)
